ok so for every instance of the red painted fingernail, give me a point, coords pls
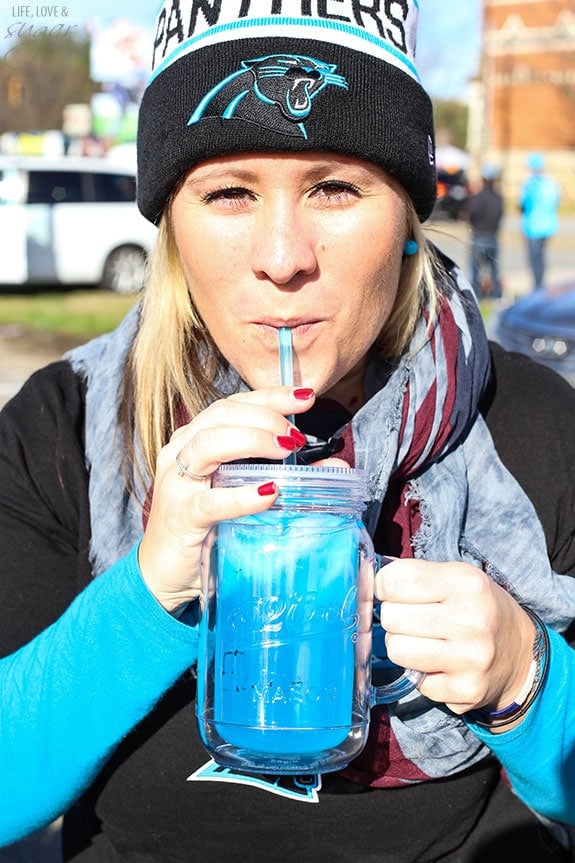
(267, 488)
(286, 442)
(302, 393)
(298, 436)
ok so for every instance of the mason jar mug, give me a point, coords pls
(284, 666)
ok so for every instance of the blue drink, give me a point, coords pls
(287, 614)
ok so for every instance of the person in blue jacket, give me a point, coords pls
(539, 203)
(288, 161)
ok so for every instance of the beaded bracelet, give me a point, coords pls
(529, 692)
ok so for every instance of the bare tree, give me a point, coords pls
(39, 75)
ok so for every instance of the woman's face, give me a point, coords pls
(313, 242)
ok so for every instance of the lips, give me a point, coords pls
(292, 323)
(300, 328)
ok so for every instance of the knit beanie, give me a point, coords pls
(261, 76)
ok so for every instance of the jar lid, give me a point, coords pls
(331, 481)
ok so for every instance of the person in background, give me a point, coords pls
(484, 212)
(539, 200)
(289, 163)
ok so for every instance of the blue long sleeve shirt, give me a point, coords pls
(539, 754)
(71, 694)
(539, 201)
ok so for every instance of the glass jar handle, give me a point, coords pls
(408, 680)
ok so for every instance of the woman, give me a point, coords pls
(282, 201)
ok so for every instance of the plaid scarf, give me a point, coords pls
(436, 482)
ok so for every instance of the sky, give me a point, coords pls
(448, 40)
(448, 45)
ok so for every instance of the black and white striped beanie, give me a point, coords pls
(237, 76)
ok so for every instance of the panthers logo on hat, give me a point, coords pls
(275, 92)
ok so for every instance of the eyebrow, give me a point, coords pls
(218, 174)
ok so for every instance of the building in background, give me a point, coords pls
(524, 98)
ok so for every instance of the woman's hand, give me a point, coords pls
(245, 425)
(472, 639)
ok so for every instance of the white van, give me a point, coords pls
(71, 220)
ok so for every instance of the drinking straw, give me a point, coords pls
(286, 372)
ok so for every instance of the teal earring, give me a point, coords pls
(411, 248)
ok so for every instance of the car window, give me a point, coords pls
(12, 186)
(114, 187)
(55, 187)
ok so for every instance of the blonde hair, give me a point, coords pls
(174, 361)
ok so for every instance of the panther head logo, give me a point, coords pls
(276, 91)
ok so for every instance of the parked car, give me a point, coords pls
(71, 220)
(542, 325)
(452, 190)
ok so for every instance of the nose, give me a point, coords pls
(284, 245)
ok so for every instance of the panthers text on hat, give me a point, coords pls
(387, 31)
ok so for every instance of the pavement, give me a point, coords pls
(42, 847)
(454, 239)
(20, 356)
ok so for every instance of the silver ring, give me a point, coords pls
(183, 471)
